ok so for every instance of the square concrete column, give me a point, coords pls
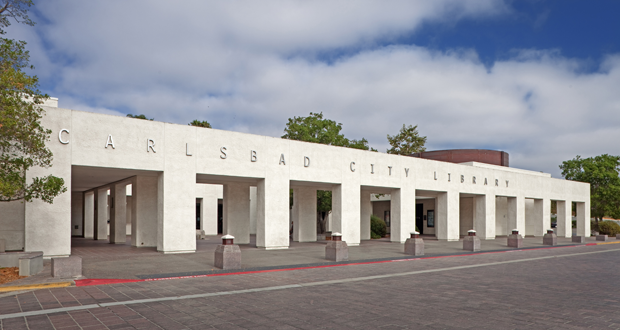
(447, 221)
(176, 217)
(144, 201)
(208, 215)
(77, 214)
(252, 212)
(346, 211)
(365, 213)
(484, 216)
(236, 209)
(47, 227)
(118, 213)
(564, 219)
(294, 214)
(583, 219)
(272, 212)
(542, 216)
(304, 214)
(101, 214)
(89, 214)
(402, 212)
(516, 213)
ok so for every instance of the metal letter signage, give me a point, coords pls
(187, 153)
(506, 183)
(110, 142)
(60, 136)
(496, 182)
(351, 166)
(462, 178)
(473, 179)
(407, 172)
(448, 177)
(485, 181)
(253, 156)
(282, 161)
(372, 168)
(223, 155)
(150, 144)
(390, 167)
(306, 161)
(435, 175)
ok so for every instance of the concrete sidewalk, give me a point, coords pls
(102, 260)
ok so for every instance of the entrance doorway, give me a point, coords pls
(419, 222)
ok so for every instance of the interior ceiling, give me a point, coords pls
(223, 179)
(86, 177)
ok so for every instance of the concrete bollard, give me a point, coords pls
(471, 242)
(337, 249)
(515, 240)
(2, 245)
(602, 238)
(550, 238)
(200, 234)
(227, 254)
(67, 267)
(579, 239)
(415, 245)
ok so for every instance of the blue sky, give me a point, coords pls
(538, 79)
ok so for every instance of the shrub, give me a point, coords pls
(378, 228)
(609, 228)
(593, 225)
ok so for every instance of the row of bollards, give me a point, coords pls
(228, 254)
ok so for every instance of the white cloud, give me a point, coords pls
(248, 66)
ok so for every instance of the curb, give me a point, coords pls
(35, 286)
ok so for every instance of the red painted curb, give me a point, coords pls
(90, 282)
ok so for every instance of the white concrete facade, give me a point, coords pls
(172, 167)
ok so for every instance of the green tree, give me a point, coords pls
(601, 172)
(199, 123)
(22, 137)
(317, 129)
(407, 141)
(15, 9)
(139, 117)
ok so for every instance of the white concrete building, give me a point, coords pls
(171, 168)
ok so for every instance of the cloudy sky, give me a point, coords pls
(538, 79)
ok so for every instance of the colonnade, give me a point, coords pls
(351, 213)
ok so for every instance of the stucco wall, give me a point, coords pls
(427, 204)
(466, 211)
(12, 224)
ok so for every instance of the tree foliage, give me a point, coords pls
(139, 117)
(601, 172)
(22, 137)
(318, 130)
(199, 123)
(15, 9)
(407, 141)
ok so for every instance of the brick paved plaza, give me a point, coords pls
(560, 288)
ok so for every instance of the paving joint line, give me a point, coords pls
(290, 286)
